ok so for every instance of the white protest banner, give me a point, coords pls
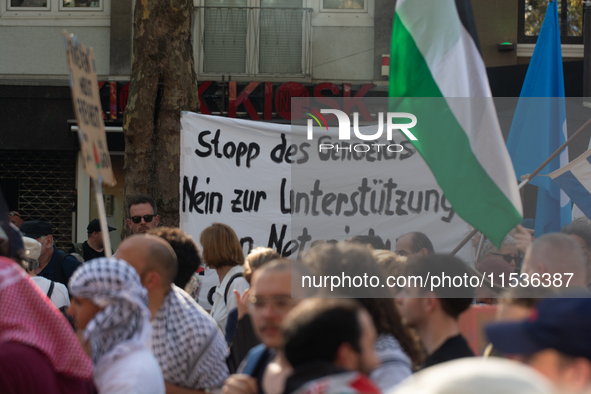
(242, 173)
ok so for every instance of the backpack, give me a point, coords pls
(213, 289)
(64, 308)
(59, 271)
(79, 249)
(238, 275)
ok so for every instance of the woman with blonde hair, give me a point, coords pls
(223, 253)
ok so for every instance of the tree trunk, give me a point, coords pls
(163, 83)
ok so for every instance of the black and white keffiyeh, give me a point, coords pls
(188, 345)
(123, 324)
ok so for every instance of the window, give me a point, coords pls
(12, 4)
(81, 3)
(570, 18)
(46, 4)
(343, 13)
(344, 5)
(55, 12)
(250, 37)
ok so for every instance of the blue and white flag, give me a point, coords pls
(575, 180)
(539, 126)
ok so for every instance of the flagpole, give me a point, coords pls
(529, 177)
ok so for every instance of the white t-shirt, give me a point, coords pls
(59, 296)
(220, 310)
(136, 372)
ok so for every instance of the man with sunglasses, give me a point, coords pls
(508, 252)
(513, 259)
(142, 213)
(270, 301)
(15, 219)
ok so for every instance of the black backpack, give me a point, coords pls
(213, 289)
(64, 308)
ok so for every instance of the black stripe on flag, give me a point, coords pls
(464, 8)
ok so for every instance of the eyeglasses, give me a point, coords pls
(138, 219)
(14, 214)
(508, 258)
(280, 303)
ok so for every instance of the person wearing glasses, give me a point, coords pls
(15, 218)
(269, 301)
(508, 252)
(142, 213)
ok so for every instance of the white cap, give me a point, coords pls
(32, 247)
(476, 375)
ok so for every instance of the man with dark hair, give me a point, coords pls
(187, 252)
(142, 213)
(554, 340)
(580, 230)
(414, 243)
(330, 345)
(372, 240)
(190, 349)
(53, 263)
(94, 247)
(434, 314)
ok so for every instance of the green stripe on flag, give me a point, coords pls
(443, 143)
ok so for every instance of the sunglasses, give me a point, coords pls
(138, 219)
(14, 214)
(508, 258)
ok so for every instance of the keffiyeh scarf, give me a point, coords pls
(124, 322)
(186, 342)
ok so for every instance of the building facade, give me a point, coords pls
(251, 57)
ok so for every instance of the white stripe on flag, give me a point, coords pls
(582, 172)
(569, 166)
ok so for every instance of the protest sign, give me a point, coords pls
(91, 129)
(87, 106)
(284, 195)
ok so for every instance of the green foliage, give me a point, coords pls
(535, 10)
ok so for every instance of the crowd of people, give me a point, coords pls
(80, 322)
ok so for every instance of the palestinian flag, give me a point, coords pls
(437, 74)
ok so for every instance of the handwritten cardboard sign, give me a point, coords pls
(87, 106)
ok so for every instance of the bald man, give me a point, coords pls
(190, 349)
(554, 257)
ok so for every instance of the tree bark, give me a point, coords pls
(163, 83)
